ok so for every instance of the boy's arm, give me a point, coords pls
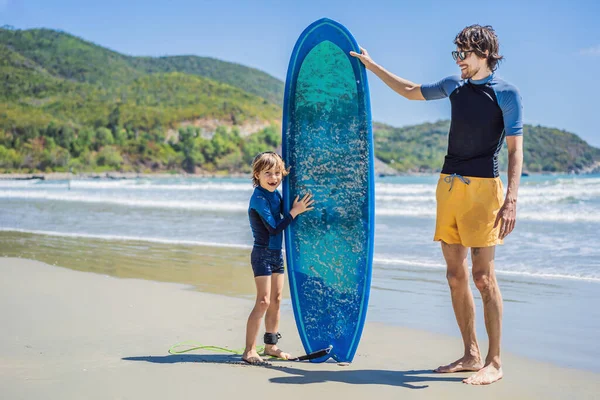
(263, 209)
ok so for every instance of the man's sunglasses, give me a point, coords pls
(461, 54)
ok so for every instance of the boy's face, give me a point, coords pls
(270, 179)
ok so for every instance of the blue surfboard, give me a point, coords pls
(327, 142)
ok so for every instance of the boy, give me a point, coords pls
(265, 210)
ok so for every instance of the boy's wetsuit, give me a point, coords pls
(267, 226)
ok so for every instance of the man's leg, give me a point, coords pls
(464, 308)
(485, 280)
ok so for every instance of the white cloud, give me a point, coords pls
(590, 51)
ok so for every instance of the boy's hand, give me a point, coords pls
(301, 206)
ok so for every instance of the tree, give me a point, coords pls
(104, 137)
(110, 156)
(188, 144)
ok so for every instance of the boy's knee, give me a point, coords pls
(264, 302)
(276, 300)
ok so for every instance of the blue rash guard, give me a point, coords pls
(265, 212)
(483, 113)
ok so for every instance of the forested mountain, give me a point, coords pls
(66, 103)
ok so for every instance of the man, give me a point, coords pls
(472, 211)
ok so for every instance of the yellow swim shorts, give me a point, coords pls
(466, 210)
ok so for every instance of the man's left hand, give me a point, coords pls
(507, 217)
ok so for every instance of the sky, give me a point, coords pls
(551, 49)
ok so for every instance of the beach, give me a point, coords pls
(102, 276)
(71, 334)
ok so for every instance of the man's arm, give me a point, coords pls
(508, 211)
(403, 87)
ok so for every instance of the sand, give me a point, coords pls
(79, 335)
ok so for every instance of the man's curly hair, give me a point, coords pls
(483, 41)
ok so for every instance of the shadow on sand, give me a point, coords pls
(411, 379)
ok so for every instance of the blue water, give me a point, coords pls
(548, 270)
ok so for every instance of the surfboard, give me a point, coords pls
(327, 143)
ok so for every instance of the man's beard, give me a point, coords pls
(468, 73)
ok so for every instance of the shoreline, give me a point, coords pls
(5, 233)
(65, 337)
(54, 176)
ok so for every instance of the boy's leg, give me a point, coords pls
(263, 299)
(273, 315)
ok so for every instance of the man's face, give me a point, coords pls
(469, 63)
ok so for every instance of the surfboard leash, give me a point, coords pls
(192, 346)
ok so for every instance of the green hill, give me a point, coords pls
(69, 57)
(423, 147)
(158, 101)
(248, 79)
(68, 103)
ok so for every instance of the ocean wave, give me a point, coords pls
(125, 185)
(129, 202)
(556, 191)
(501, 271)
(418, 208)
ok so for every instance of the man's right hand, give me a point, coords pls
(301, 206)
(364, 57)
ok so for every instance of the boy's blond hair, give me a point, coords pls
(267, 160)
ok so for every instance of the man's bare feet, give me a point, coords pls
(486, 375)
(252, 357)
(273, 350)
(465, 363)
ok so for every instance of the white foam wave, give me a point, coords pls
(531, 274)
(404, 211)
(405, 199)
(390, 188)
(418, 209)
(147, 185)
(396, 261)
(125, 185)
(19, 184)
(544, 193)
(129, 202)
(560, 215)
